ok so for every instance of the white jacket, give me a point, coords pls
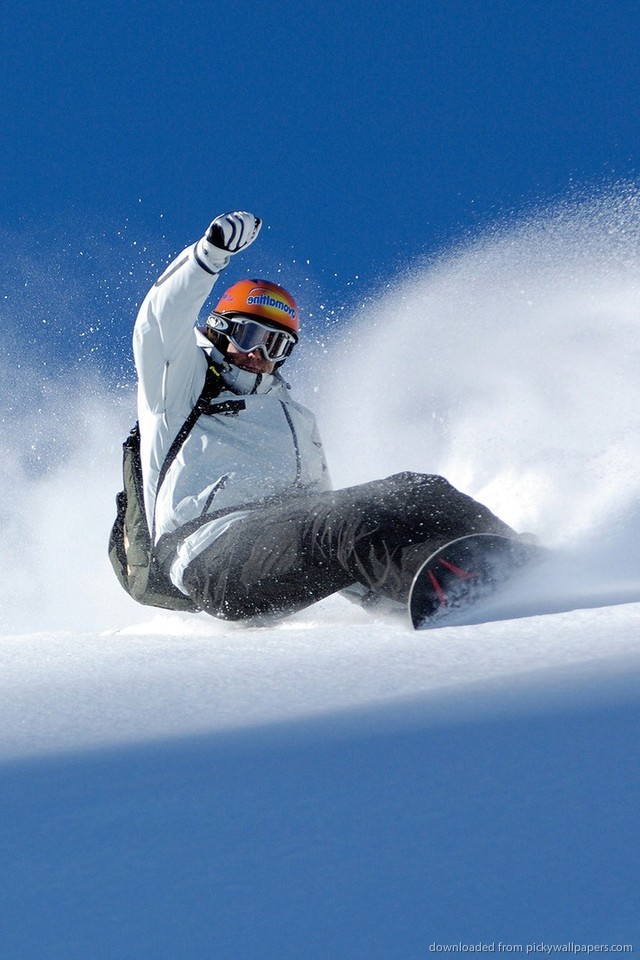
(268, 445)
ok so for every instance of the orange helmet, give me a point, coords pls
(261, 299)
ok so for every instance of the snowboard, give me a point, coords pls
(464, 572)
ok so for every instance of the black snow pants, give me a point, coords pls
(287, 555)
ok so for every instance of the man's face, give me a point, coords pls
(254, 361)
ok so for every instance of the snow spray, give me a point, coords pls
(508, 364)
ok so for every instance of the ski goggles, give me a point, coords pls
(247, 334)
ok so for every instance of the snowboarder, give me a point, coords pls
(245, 521)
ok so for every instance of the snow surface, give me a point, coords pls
(336, 785)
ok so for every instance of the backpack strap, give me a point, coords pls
(213, 385)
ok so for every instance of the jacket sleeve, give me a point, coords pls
(168, 360)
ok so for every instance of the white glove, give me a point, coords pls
(233, 232)
(227, 235)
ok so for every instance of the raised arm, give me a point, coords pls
(164, 347)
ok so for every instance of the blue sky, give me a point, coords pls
(364, 133)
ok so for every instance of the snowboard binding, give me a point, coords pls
(464, 572)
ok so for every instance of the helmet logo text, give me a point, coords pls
(265, 300)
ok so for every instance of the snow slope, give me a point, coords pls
(337, 785)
